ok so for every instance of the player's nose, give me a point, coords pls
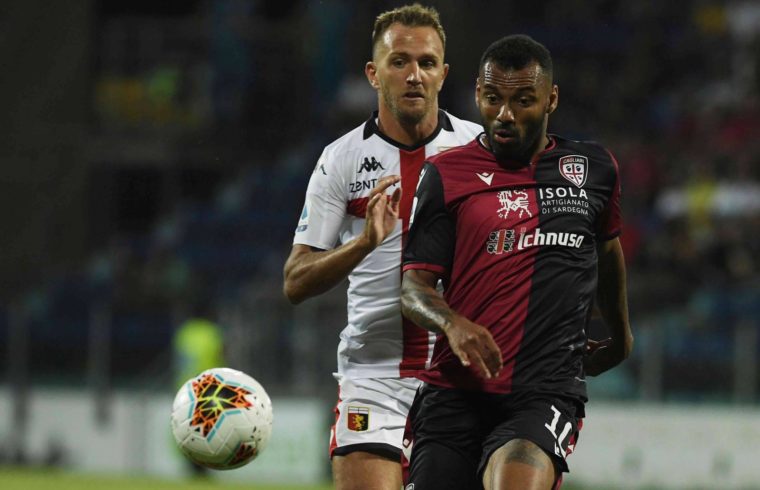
(414, 77)
(505, 114)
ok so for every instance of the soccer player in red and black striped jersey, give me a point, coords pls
(521, 226)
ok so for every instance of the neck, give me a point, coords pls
(407, 135)
(543, 143)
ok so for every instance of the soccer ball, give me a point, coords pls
(222, 418)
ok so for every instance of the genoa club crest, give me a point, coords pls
(574, 168)
(358, 418)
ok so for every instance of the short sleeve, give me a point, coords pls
(324, 208)
(431, 240)
(609, 223)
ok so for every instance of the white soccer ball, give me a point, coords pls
(222, 418)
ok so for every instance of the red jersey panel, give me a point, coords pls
(517, 250)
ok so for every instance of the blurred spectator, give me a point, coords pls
(198, 345)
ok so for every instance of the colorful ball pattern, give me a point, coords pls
(222, 418)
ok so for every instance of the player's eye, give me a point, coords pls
(526, 101)
(398, 63)
(491, 98)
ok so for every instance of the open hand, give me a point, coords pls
(382, 211)
(474, 344)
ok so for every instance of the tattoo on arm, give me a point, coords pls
(423, 305)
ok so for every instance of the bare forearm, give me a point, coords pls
(311, 274)
(613, 298)
(424, 305)
(470, 342)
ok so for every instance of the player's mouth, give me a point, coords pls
(504, 136)
(414, 96)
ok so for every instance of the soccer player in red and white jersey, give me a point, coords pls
(521, 226)
(353, 224)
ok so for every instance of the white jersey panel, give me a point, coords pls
(372, 343)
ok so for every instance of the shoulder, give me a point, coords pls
(591, 154)
(346, 145)
(593, 150)
(456, 154)
(584, 162)
(338, 159)
(463, 126)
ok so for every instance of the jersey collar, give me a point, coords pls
(370, 128)
(548, 148)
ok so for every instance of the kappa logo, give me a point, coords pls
(513, 201)
(358, 419)
(574, 168)
(485, 177)
(370, 165)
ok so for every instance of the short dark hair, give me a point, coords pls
(414, 15)
(516, 52)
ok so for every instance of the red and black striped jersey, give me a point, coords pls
(516, 248)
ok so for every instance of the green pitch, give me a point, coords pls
(27, 479)
(32, 479)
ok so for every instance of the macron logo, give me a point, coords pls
(485, 177)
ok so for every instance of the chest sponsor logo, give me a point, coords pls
(369, 165)
(563, 200)
(574, 168)
(504, 241)
(362, 185)
(358, 419)
(513, 202)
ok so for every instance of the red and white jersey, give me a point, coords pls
(377, 342)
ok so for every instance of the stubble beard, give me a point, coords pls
(405, 117)
(522, 150)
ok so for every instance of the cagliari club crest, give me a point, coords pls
(574, 168)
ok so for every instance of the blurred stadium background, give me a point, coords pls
(154, 159)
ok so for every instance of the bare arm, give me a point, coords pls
(613, 305)
(309, 272)
(472, 343)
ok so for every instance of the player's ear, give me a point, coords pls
(553, 100)
(370, 69)
(445, 74)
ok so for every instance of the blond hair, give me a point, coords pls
(414, 15)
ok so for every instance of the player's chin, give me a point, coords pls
(412, 115)
(505, 152)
